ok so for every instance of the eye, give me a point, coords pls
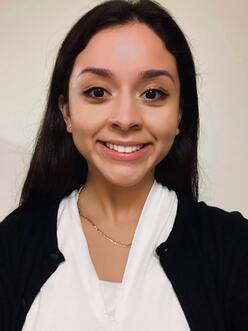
(98, 92)
(151, 94)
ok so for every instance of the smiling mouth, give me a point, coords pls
(124, 149)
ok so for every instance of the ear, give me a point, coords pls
(64, 108)
(179, 120)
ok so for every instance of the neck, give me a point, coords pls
(115, 205)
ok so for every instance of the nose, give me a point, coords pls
(125, 114)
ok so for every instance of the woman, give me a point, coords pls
(109, 234)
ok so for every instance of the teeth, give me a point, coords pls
(124, 149)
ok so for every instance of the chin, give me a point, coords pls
(122, 175)
(125, 180)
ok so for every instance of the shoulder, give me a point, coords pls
(228, 223)
(202, 214)
(13, 222)
(27, 215)
(211, 228)
(26, 226)
(207, 211)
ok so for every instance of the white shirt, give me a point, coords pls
(74, 299)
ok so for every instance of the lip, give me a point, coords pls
(124, 156)
(123, 143)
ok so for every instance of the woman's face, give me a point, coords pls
(119, 105)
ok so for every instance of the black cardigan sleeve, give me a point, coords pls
(237, 269)
(7, 264)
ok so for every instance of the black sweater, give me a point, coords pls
(205, 258)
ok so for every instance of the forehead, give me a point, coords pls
(126, 51)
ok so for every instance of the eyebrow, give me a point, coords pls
(147, 74)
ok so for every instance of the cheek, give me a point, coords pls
(165, 136)
(86, 117)
(83, 126)
(164, 127)
(85, 130)
(82, 132)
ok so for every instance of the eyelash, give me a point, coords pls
(163, 95)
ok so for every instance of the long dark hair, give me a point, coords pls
(57, 168)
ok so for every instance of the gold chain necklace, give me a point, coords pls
(99, 230)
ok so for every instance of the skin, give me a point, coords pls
(115, 191)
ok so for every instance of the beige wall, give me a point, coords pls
(30, 34)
